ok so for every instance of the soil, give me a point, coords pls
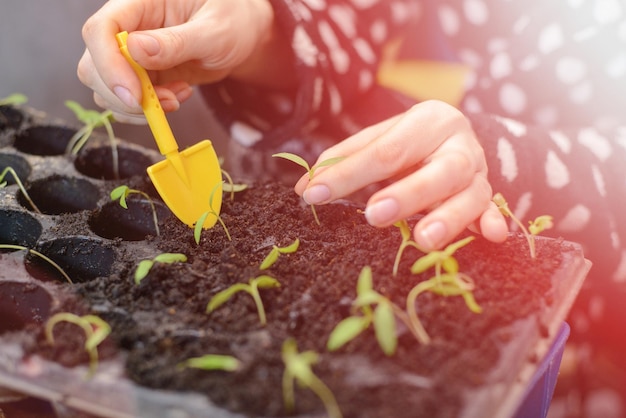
(162, 321)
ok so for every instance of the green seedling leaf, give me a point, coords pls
(440, 259)
(365, 282)
(385, 328)
(295, 159)
(224, 296)
(325, 163)
(14, 99)
(426, 262)
(276, 251)
(383, 317)
(270, 259)
(366, 298)
(212, 362)
(120, 193)
(170, 258)
(266, 282)
(347, 330)
(197, 230)
(450, 265)
(144, 266)
(540, 224)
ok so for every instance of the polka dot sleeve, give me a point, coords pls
(337, 46)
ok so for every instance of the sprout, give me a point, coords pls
(144, 266)
(311, 170)
(537, 226)
(252, 288)
(298, 367)
(92, 119)
(382, 317)
(405, 232)
(197, 232)
(276, 251)
(121, 193)
(96, 330)
(446, 282)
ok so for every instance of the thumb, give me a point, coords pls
(196, 40)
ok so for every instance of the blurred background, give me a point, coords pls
(40, 45)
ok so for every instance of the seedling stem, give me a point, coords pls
(3, 183)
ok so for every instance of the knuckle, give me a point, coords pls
(389, 153)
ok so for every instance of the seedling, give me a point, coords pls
(121, 193)
(211, 362)
(276, 251)
(197, 232)
(230, 187)
(535, 227)
(40, 255)
(3, 183)
(447, 281)
(405, 232)
(95, 328)
(13, 99)
(144, 266)
(311, 170)
(252, 288)
(92, 119)
(298, 368)
(382, 317)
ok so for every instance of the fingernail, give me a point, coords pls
(150, 45)
(382, 212)
(432, 236)
(316, 194)
(125, 96)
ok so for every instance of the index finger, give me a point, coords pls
(99, 36)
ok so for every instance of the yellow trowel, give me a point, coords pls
(190, 181)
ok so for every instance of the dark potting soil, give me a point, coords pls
(163, 321)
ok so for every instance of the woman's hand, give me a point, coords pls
(180, 43)
(438, 166)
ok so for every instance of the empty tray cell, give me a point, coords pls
(81, 258)
(132, 224)
(97, 162)
(60, 194)
(46, 140)
(21, 304)
(19, 228)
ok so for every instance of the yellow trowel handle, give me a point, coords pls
(150, 103)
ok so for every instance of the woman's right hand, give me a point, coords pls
(181, 44)
(436, 166)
